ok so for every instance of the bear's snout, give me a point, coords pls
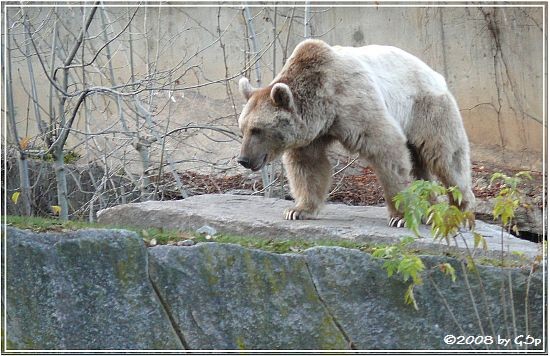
(244, 161)
(255, 163)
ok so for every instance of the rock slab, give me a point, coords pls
(87, 289)
(223, 296)
(263, 217)
(103, 290)
(371, 310)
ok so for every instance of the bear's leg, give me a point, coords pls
(309, 174)
(453, 169)
(420, 170)
(446, 153)
(393, 168)
(450, 162)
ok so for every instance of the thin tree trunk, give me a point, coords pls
(267, 170)
(61, 180)
(39, 123)
(48, 137)
(57, 152)
(22, 163)
(112, 72)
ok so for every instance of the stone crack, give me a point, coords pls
(325, 306)
(168, 311)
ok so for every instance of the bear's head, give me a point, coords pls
(269, 123)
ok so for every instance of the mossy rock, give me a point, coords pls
(224, 296)
(82, 290)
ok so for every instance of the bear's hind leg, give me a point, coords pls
(447, 154)
(453, 169)
(451, 164)
(420, 170)
(393, 169)
(309, 175)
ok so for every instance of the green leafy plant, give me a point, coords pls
(416, 201)
(422, 202)
(509, 198)
(419, 203)
(398, 260)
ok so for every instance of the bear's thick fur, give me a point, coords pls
(379, 101)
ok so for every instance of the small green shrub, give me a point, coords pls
(509, 198)
(399, 260)
(421, 202)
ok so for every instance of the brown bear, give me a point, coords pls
(378, 101)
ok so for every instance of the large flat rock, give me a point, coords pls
(104, 290)
(263, 217)
(372, 313)
(82, 290)
(224, 296)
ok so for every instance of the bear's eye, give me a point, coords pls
(255, 131)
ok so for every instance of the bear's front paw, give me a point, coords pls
(297, 214)
(396, 221)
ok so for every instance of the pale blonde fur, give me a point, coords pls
(378, 101)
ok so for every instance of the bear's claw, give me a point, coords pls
(396, 222)
(293, 214)
(429, 219)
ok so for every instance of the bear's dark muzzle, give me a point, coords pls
(244, 161)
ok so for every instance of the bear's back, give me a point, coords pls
(394, 69)
(400, 78)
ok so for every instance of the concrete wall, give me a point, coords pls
(492, 58)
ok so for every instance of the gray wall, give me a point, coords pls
(492, 58)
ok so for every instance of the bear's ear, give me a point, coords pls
(245, 88)
(282, 96)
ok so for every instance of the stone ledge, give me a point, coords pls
(263, 217)
(103, 290)
(87, 289)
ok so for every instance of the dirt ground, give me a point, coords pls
(358, 185)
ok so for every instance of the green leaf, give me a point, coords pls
(518, 253)
(470, 263)
(457, 195)
(469, 220)
(406, 241)
(56, 209)
(15, 197)
(479, 239)
(448, 270)
(411, 266)
(397, 201)
(391, 267)
(524, 174)
(497, 176)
